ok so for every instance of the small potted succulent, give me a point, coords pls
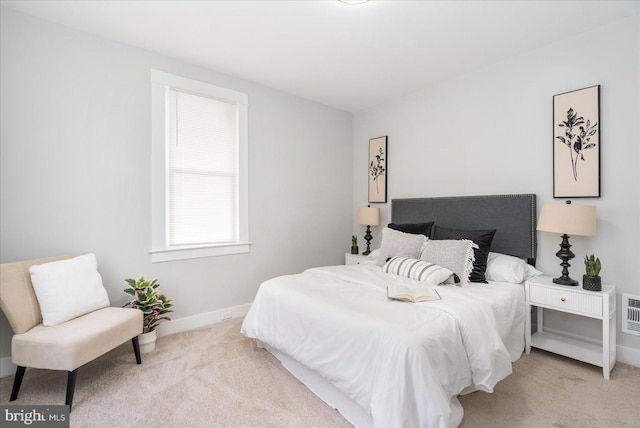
(154, 306)
(354, 244)
(591, 280)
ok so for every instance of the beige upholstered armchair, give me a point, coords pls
(66, 345)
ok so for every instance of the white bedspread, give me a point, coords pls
(405, 363)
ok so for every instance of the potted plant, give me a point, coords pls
(354, 244)
(154, 306)
(591, 280)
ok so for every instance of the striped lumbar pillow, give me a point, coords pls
(419, 270)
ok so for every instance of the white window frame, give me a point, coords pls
(160, 250)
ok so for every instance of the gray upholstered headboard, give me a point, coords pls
(513, 217)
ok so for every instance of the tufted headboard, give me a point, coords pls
(513, 217)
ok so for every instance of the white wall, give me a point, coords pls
(490, 132)
(76, 174)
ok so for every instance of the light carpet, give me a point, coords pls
(215, 377)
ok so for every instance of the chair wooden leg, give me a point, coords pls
(17, 381)
(136, 349)
(71, 386)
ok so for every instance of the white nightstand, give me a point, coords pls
(543, 293)
(354, 259)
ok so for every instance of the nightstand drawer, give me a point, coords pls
(355, 259)
(567, 300)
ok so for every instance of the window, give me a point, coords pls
(199, 169)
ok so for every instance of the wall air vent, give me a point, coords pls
(631, 314)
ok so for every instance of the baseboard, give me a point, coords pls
(7, 368)
(627, 355)
(201, 320)
(624, 354)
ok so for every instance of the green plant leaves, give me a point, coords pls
(592, 265)
(148, 299)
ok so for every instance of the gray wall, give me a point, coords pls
(490, 132)
(76, 173)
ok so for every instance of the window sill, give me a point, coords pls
(185, 253)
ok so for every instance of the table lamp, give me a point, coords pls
(567, 219)
(370, 217)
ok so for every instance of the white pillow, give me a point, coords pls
(504, 268)
(531, 272)
(395, 243)
(419, 270)
(457, 255)
(68, 288)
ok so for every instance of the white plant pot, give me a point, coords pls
(147, 341)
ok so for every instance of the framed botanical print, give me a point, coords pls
(576, 144)
(378, 169)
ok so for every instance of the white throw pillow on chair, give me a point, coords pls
(67, 289)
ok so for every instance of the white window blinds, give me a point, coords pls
(202, 170)
(199, 169)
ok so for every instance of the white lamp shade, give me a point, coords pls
(571, 219)
(369, 216)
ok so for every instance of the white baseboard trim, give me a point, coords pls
(624, 354)
(7, 368)
(201, 320)
(627, 355)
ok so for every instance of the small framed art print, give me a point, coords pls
(576, 144)
(378, 169)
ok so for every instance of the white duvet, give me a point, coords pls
(404, 363)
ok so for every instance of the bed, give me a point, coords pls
(382, 362)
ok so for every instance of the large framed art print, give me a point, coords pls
(378, 169)
(576, 144)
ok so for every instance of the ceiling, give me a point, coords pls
(350, 57)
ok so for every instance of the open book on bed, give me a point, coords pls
(413, 295)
